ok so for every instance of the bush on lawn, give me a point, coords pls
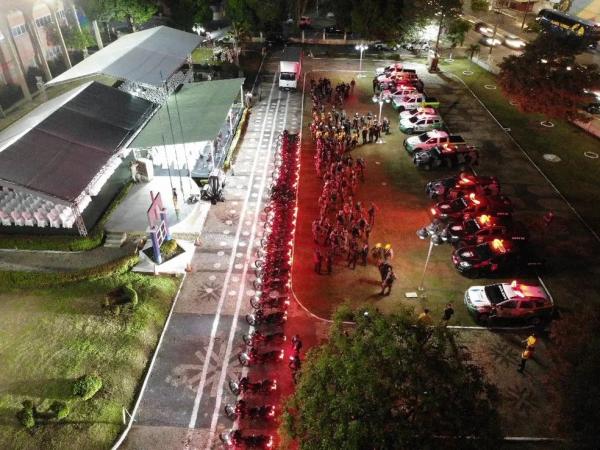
(26, 415)
(130, 294)
(87, 386)
(168, 249)
(60, 410)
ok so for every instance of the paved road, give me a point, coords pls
(181, 407)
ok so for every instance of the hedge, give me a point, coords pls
(87, 386)
(12, 279)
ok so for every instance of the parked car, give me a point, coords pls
(514, 42)
(487, 258)
(484, 28)
(413, 101)
(460, 230)
(382, 47)
(333, 29)
(460, 185)
(509, 301)
(484, 228)
(432, 138)
(472, 204)
(491, 42)
(415, 112)
(418, 46)
(421, 124)
(446, 156)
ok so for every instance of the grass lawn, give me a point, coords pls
(576, 176)
(203, 55)
(50, 337)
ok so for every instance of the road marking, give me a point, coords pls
(213, 333)
(218, 400)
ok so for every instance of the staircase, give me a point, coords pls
(115, 239)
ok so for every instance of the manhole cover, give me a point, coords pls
(547, 124)
(467, 72)
(491, 87)
(591, 155)
(552, 157)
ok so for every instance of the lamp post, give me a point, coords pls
(379, 99)
(361, 48)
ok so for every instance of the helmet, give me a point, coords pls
(388, 246)
(378, 245)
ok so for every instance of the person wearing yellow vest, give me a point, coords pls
(525, 355)
(424, 318)
(531, 341)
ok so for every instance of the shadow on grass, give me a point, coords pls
(54, 388)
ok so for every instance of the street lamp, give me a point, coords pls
(361, 48)
(379, 99)
(198, 29)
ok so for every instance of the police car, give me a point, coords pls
(495, 256)
(472, 204)
(483, 228)
(421, 124)
(509, 301)
(417, 112)
(460, 185)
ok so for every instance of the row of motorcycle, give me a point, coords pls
(264, 343)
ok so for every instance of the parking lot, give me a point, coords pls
(397, 188)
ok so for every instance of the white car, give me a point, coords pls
(514, 42)
(509, 301)
(491, 42)
(421, 124)
(402, 92)
(417, 112)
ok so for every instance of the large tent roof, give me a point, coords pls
(202, 109)
(61, 155)
(148, 57)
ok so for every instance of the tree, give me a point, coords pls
(256, 14)
(546, 79)
(442, 12)
(390, 384)
(473, 48)
(376, 19)
(457, 31)
(78, 40)
(480, 5)
(572, 377)
(186, 13)
(137, 12)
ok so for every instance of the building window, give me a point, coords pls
(19, 30)
(43, 21)
(53, 52)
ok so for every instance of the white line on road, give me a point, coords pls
(242, 289)
(236, 239)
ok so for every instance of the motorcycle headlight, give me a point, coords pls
(464, 264)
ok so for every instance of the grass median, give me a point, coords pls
(575, 176)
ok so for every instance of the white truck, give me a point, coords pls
(290, 68)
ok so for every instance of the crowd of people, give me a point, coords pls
(343, 226)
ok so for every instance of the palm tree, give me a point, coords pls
(239, 33)
(473, 48)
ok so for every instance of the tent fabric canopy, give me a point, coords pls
(62, 154)
(202, 109)
(147, 57)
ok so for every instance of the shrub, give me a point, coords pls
(168, 249)
(9, 95)
(60, 410)
(87, 386)
(130, 294)
(26, 416)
